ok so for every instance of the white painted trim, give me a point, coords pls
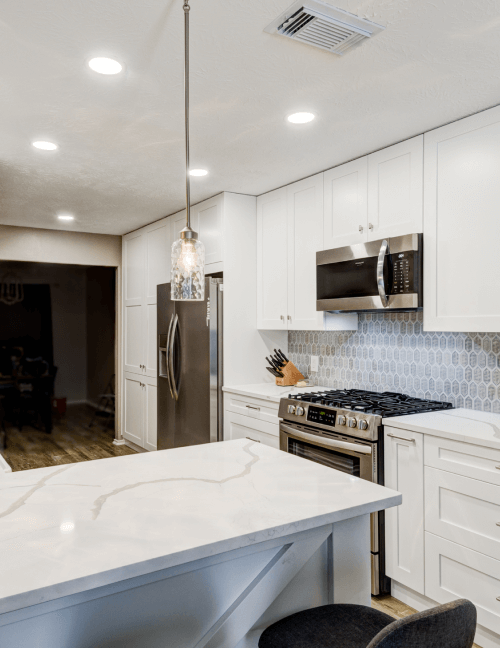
(4, 466)
(119, 442)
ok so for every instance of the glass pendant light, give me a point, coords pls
(187, 279)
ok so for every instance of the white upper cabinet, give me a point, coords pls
(158, 242)
(395, 190)
(305, 238)
(289, 233)
(208, 215)
(461, 225)
(345, 204)
(272, 267)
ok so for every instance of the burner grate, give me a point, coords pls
(380, 403)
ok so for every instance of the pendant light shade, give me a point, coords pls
(187, 279)
(188, 268)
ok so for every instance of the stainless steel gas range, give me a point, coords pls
(342, 429)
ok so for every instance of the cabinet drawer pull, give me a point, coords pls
(361, 228)
(498, 523)
(498, 598)
(497, 467)
(402, 438)
(253, 407)
(254, 440)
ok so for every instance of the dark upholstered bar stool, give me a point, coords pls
(355, 626)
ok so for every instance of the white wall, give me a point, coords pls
(68, 296)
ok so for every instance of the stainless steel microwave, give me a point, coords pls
(375, 276)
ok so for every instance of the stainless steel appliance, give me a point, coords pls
(342, 429)
(189, 367)
(378, 275)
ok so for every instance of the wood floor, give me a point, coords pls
(71, 441)
(393, 607)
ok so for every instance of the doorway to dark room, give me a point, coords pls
(57, 364)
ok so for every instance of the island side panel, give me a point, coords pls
(352, 561)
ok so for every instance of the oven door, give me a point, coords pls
(357, 458)
(354, 458)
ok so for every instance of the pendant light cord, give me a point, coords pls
(186, 8)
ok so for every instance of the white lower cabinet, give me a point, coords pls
(453, 551)
(453, 571)
(404, 472)
(463, 510)
(139, 404)
(237, 426)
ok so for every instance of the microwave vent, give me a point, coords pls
(323, 26)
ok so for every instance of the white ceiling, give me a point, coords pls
(120, 162)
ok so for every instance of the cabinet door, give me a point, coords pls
(237, 426)
(150, 413)
(345, 213)
(272, 270)
(133, 406)
(404, 527)
(305, 238)
(453, 572)
(133, 301)
(158, 243)
(209, 217)
(461, 230)
(395, 190)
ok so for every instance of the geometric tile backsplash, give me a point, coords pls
(391, 352)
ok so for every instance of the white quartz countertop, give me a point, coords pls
(67, 529)
(469, 426)
(270, 391)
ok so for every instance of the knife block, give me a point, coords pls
(291, 376)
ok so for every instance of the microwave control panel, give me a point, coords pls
(318, 415)
(403, 275)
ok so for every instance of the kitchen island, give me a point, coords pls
(193, 547)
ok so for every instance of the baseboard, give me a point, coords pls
(484, 637)
(4, 466)
(119, 442)
(134, 446)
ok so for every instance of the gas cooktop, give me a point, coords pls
(380, 403)
(354, 412)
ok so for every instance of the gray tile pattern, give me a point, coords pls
(391, 352)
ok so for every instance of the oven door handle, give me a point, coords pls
(330, 443)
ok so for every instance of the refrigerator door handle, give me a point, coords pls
(171, 358)
(168, 356)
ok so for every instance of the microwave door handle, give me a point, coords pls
(329, 443)
(384, 250)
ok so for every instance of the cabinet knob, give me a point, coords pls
(361, 228)
(289, 318)
(370, 226)
(282, 318)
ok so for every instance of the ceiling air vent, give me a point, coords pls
(321, 25)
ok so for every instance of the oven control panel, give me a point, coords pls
(318, 415)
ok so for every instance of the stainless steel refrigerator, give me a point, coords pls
(190, 368)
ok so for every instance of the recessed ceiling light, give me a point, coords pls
(66, 217)
(198, 172)
(300, 118)
(45, 146)
(105, 65)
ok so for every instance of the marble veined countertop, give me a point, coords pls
(67, 529)
(270, 391)
(469, 426)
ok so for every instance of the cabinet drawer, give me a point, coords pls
(453, 572)
(237, 426)
(463, 510)
(254, 407)
(463, 459)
